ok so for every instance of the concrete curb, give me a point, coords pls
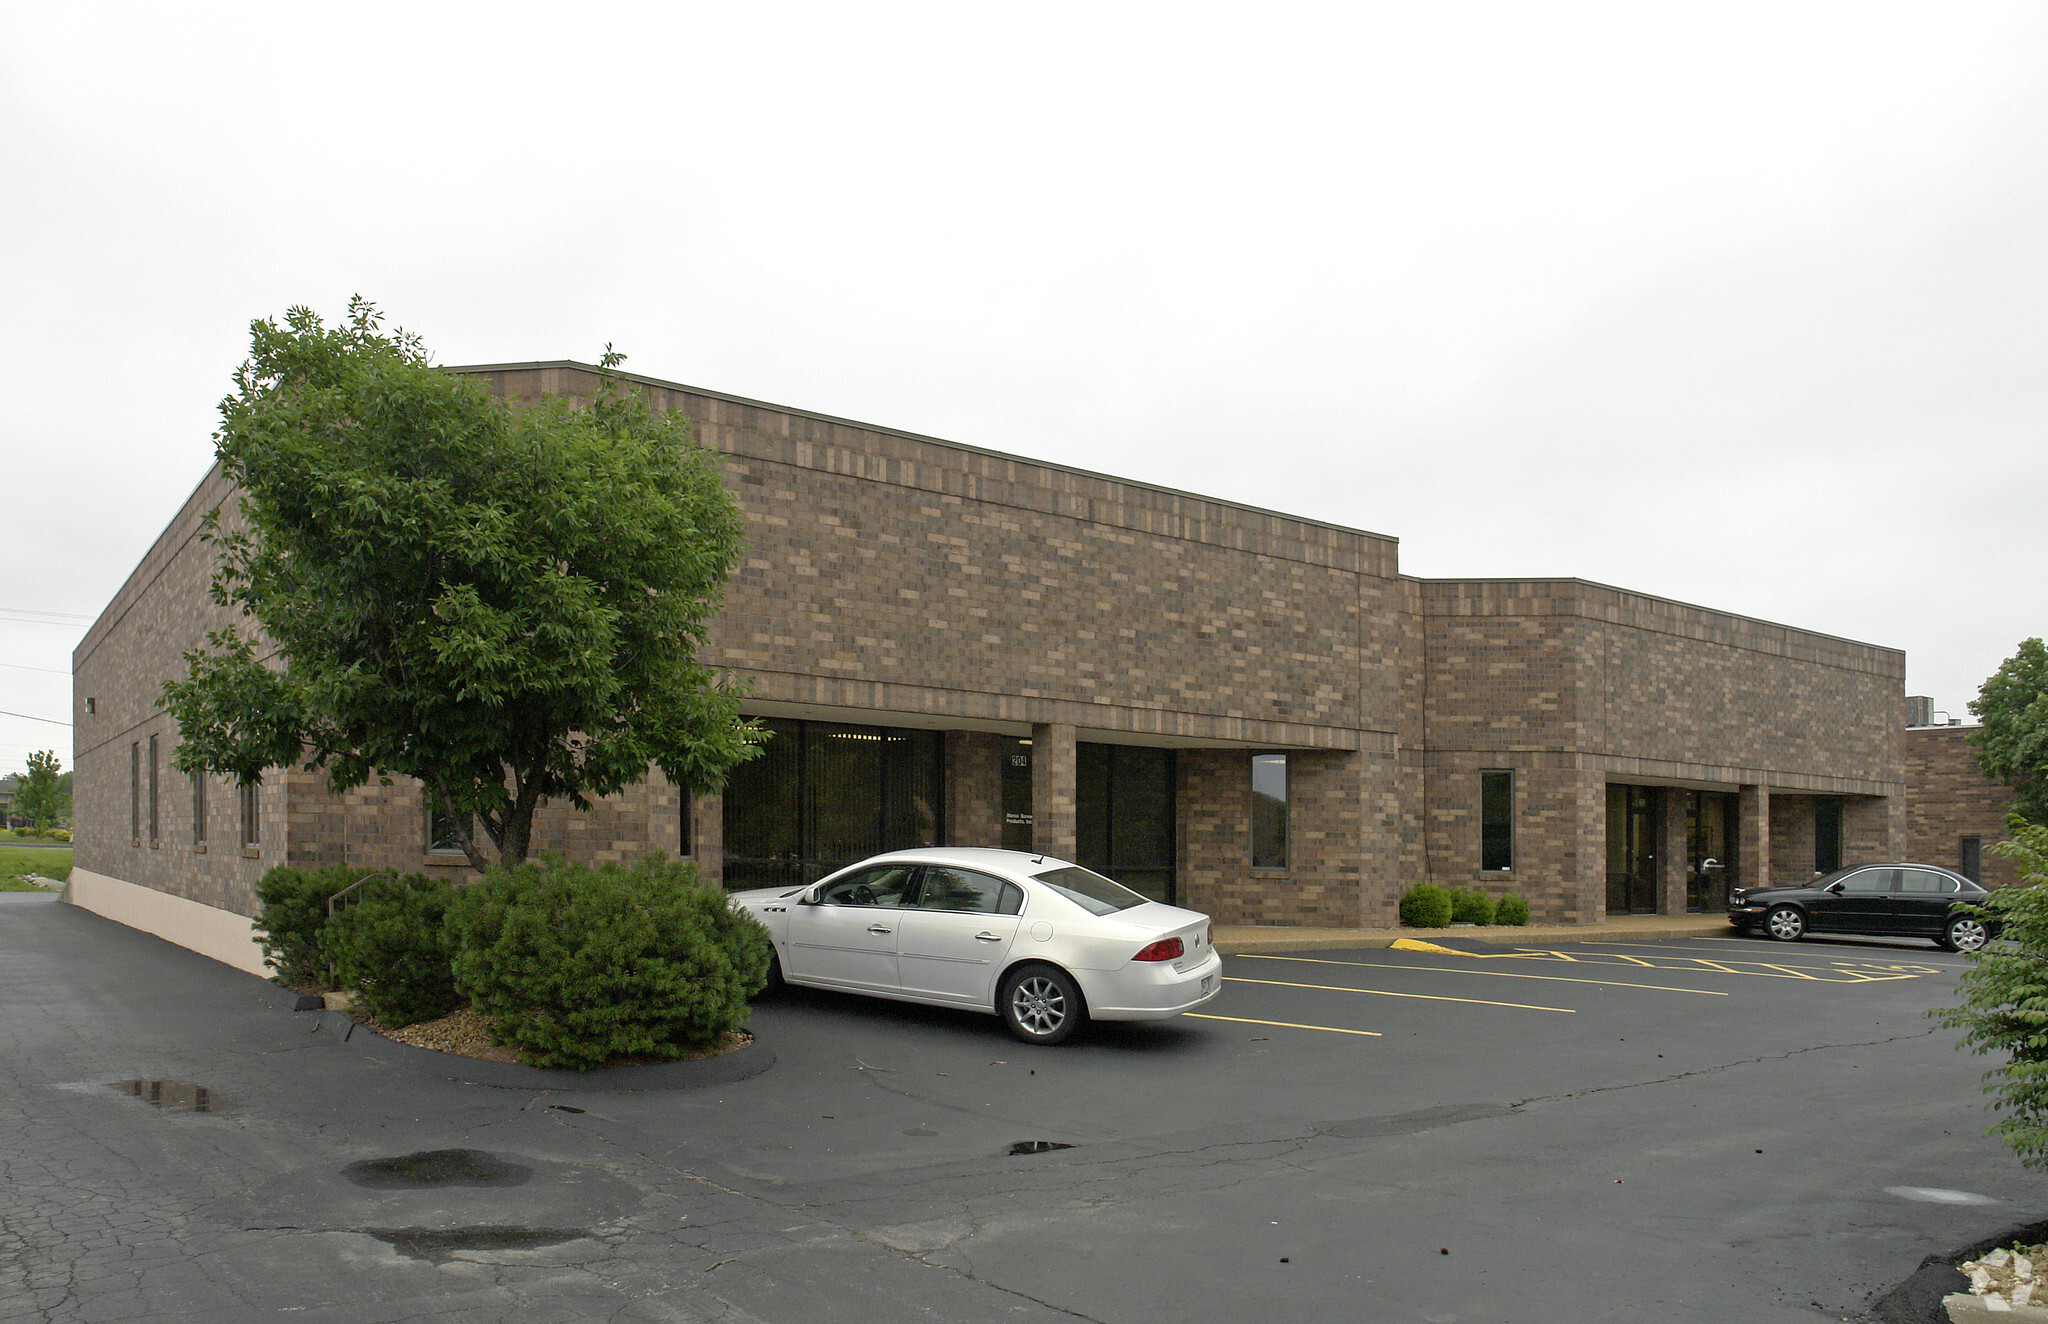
(1964, 1308)
(722, 1070)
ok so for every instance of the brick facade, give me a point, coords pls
(1950, 799)
(892, 579)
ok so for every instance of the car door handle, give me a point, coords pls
(876, 928)
(986, 936)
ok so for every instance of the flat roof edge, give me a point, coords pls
(972, 449)
(1654, 597)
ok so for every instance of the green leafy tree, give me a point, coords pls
(40, 794)
(506, 603)
(2012, 745)
(2005, 999)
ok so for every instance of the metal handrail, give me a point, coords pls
(336, 902)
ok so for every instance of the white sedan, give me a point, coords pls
(1040, 942)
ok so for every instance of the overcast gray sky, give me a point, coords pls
(1743, 305)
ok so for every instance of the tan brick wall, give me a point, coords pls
(895, 577)
(1340, 866)
(1574, 685)
(1948, 798)
(137, 642)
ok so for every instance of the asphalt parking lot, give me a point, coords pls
(1708, 1129)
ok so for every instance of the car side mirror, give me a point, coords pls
(1834, 887)
(810, 896)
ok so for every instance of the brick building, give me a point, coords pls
(1246, 712)
(1953, 811)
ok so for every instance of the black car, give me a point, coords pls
(1883, 900)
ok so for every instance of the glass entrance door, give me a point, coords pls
(1709, 850)
(1631, 850)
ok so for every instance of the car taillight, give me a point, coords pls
(1166, 949)
(1211, 938)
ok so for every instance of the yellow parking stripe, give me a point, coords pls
(1285, 1025)
(1496, 974)
(1383, 993)
(1836, 974)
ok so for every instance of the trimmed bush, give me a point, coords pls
(1471, 906)
(1426, 906)
(391, 950)
(293, 921)
(576, 966)
(1512, 911)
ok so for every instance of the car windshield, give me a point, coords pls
(1090, 891)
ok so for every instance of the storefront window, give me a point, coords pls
(823, 795)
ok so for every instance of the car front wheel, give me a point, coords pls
(1785, 924)
(1041, 1004)
(1965, 934)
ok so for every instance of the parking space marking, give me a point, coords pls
(1384, 993)
(1841, 972)
(1495, 974)
(1285, 1025)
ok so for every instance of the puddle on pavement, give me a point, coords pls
(437, 1167)
(1038, 1146)
(173, 1096)
(439, 1247)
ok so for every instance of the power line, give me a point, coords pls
(47, 671)
(26, 718)
(32, 616)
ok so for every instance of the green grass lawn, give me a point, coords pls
(18, 860)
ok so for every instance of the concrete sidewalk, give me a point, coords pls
(1238, 939)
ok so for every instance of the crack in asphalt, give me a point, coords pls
(1725, 1066)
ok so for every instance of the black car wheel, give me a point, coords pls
(1965, 934)
(1041, 1004)
(776, 984)
(1786, 924)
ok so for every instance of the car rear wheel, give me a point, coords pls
(1785, 924)
(1041, 1004)
(1965, 934)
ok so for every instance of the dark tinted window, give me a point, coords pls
(1869, 880)
(1497, 820)
(1925, 881)
(1827, 835)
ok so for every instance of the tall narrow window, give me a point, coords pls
(153, 820)
(1497, 821)
(688, 844)
(444, 830)
(198, 809)
(1827, 834)
(1971, 863)
(1269, 811)
(252, 820)
(135, 792)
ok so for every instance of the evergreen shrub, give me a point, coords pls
(1426, 906)
(1472, 905)
(1512, 911)
(576, 966)
(391, 950)
(293, 920)
(2004, 1011)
